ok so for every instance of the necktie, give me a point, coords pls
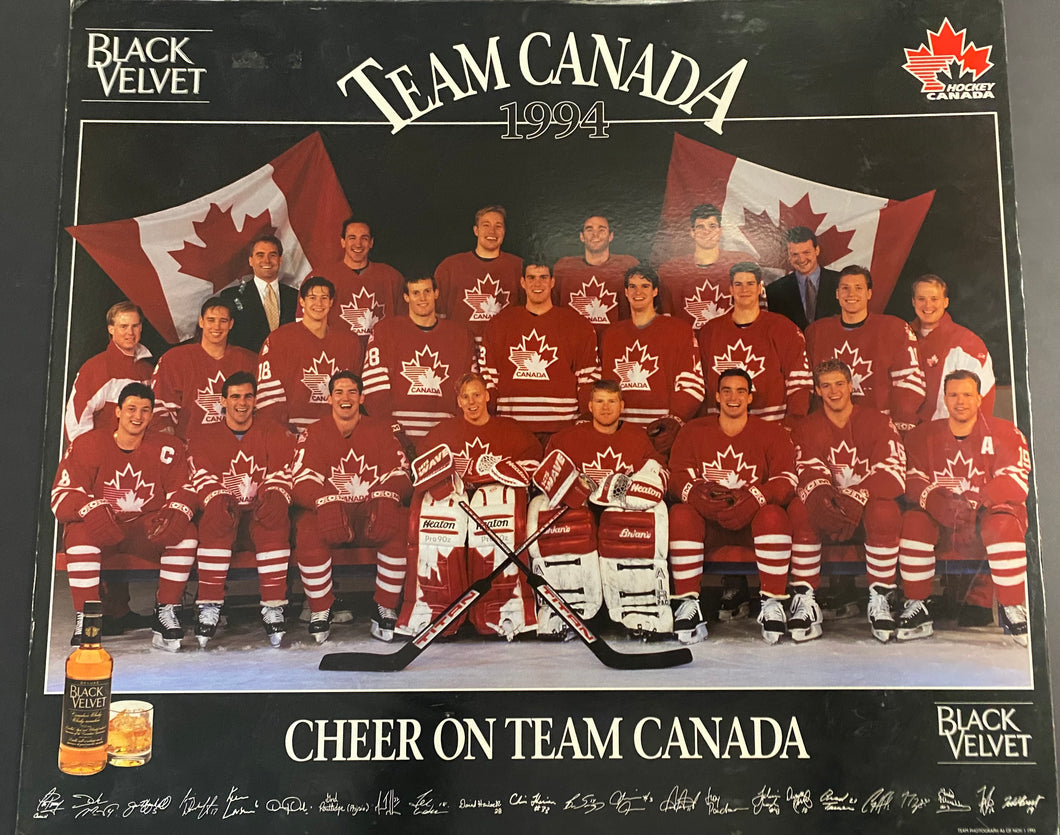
(272, 308)
(811, 300)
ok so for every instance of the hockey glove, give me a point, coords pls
(559, 479)
(168, 526)
(332, 522)
(509, 473)
(272, 509)
(384, 520)
(101, 525)
(709, 499)
(435, 472)
(219, 519)
(406, 445)
(646, 487)
(663, 433)
(825, 514)
(946, 507)
(746, 505)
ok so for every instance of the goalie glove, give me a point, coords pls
(646, 487)
(561, 482)
(332, 521)
(708, 499)
(663, 433)
(219, 518)
(168, 526)
(100, 523)
(746, 503)
(435, 472)
(384, 519)
(272, 508)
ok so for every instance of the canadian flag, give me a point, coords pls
(759, 205)
(171, 261)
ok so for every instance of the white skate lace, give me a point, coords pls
(879, 607)
(772, 610)
(688, 609)
(803, 606)
(271, 614)
(317, 617)
(167, 616)
(1016, 615)
(209, 614)
(912, 607)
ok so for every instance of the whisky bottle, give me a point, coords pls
(86, 699)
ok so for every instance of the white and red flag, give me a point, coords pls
(171, 261)
(759, 205)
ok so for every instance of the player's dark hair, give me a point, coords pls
(416, 279)
(239, 378)
(496, 207)
(800, 235)
(610, 386)
(315, 281)
(124, 306)
(963, 374)
(930, 278)
(828, 366)
(345, 374)
(644, 271)
(746, 267)
(604, 215)
(854, 269)
(354, 219)
(738, 371)
(536, 259)
(702, 212)
(217, 301)
(267, 239)
(141, 390)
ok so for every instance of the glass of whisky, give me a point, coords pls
(129, 733)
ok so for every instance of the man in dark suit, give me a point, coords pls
(789, 295)
(260, 302)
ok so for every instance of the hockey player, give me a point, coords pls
(808, 292)
(261, 301)
(613, 552)
(475, 286)
(851, 471)
(539, 361)
(125, 491)
(241, 474)
(696, 287)
(297, 360)
(188, 378)
(733, 475)
(967, 481)
(350, 479)
(880, 351)
(489, 458)
(413, 362)
(593, 283)
(767, 345)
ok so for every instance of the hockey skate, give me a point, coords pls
(341, 611)
(689, 627)
(772, 618)
(1014, 622)
(206, 625)
(272, 618)
(735, 599)
(79, 622)
(804, 620)
(881, 611)
(383, 622)
(320, 625)
(167, 632)
(915, 621)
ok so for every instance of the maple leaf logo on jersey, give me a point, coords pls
(860, 369)
(486, 299)
(243, 478)
(352, 478)
(707, 303)
(729, 470)
(315, 378)
(222, 252)
(362, 313)
(209, 399)
(606, 463)
(635, 368)
(594, 301)
(932, 361)
(472, 450)
(739, 356)
(425, 373)
(531, 357)
(847, 469)
(960, 474)
(945, 48)
(127, 492)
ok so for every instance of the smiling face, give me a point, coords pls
(745, 291)
(733, 396)
(596, 235)
(134, 416)
(930, 302)
(640, 294)
(356, 245)
(265, 260)
(706, 232)
(345, 400)
(472, 401)
(835, 391)
(316, 305)
(606, 410)
(962, 402)
(538, 282)
(421, 298)
(854, 294)
(803, 256)
(216, 323)
(489, 232)
(126, 331)
(239, 407)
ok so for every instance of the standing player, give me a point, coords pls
(540, 360)
(733, 475)
(880, 351)
(187, 381)
(241, 473)
(967, 481)
(261, 301)
(593, 283)
(655, 360)
(851, 472)
(475, 286)
(297, 360)
(125, 492)
(413, 362)
(350, 479)
(808, 292)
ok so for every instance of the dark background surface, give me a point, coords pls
(34, 44)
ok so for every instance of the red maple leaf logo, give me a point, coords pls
(352, 479)
(739, 356)
(243, 478)
(362, 313)
(209, 399)
(708, 302)
(729, 470)
(960, 474)
(531, 357)
(606, 463)
(425, 373)
(223, 254)
(316, 376)
(127, 492)
(945, 48)
(486, 299)
(847, 469)
(635, 368)
(770, 241)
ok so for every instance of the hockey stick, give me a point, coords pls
(389, 662)
(609, 656)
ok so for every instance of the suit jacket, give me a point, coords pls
(251, 327)
(782, 296)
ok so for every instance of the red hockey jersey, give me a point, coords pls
(657, 367)
(97, 386)
(365, 297)
(598, 455)
(596, 292)
(947, 348)
(472, 290)
(498, 436)
(187, 385)
(410, 373)
(698, 294)
(540, 368)
(244, 466)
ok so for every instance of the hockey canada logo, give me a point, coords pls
(486, 299)
(362, 313)
(635, 368)
(209, 399)
(847, 469)
(960, 474)
(594, 302)
(315, 378)
(606, 463)
(127, 492)
(729, 470)
(352, 479)
(860, 369)
(425, 373)
(531, 357)
(944, 49)
(243, 478)
(739, 356)
(707, 303)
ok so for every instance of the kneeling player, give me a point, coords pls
(968, 476)
(733, 474)
(615, 553)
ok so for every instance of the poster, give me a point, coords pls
(843, 119)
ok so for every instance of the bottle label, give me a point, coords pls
(86, 711)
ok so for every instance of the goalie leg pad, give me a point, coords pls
(633, 568)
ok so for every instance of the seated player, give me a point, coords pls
(851, 472)
(489, 459)
(733, 475)
(967, 479)
(124, 491)
(241, 473)
(614, 551)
